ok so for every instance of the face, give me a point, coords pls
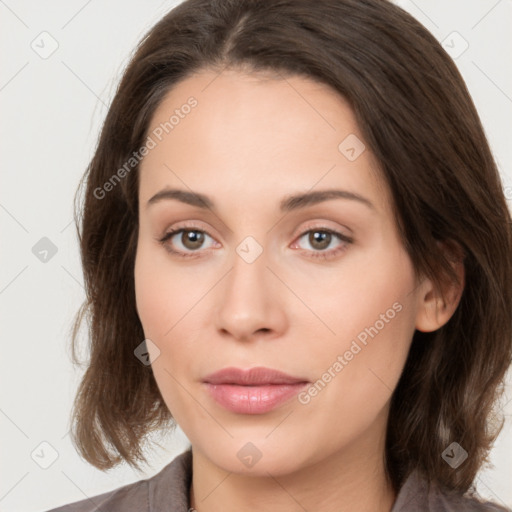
(321, 289)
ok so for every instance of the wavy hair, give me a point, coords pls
(417, 118)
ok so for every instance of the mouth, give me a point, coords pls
(254, 391)
(257, 376)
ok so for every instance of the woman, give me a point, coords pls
(296, 246)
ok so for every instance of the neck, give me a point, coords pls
(352, 479)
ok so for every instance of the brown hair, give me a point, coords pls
(417, 118)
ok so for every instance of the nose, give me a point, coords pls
(251, 301)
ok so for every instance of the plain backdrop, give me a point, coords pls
(61, 62)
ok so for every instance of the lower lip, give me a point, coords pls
(253, 399)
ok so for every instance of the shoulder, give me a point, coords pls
(170, 485)
(446, 501)
(417, 495)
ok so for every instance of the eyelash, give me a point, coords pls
(316, 254)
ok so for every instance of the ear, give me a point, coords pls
(436, 306)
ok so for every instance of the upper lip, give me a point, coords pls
(251, 377)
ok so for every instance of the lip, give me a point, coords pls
(253, 391)
(257, 376)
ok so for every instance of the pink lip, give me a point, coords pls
(254, 391)
(251, 377)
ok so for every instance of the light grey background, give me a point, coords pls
(52, 108)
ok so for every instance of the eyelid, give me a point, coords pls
(194, 225)
(326, 255)
(321, 225)
(170, 232)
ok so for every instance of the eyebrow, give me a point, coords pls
(287, 204)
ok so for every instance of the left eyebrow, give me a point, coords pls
(289, 203)
(298, 201)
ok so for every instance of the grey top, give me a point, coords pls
(168, 491)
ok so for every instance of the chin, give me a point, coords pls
(255, 455)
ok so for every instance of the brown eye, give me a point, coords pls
(319, 239)
(186, 242)
(192, 239)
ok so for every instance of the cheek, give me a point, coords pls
(146, 297)
(374, 329)
(157, 292)
(369, 296)
(169, 308)
(157, 302)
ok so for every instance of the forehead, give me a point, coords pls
(256, 133)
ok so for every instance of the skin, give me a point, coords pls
(251, 141)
